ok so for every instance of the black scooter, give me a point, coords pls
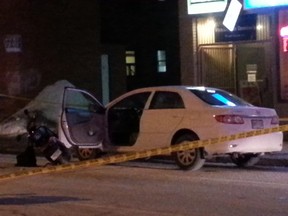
(46, 141)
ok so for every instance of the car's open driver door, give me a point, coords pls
(82, 119)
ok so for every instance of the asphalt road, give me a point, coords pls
(141, 188)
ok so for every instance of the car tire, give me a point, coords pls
(190, 159)
(245, 160)
(87, 153)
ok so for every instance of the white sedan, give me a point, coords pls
(157, 117)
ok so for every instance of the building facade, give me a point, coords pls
(111, 46)
(250, 61)
(105, 46)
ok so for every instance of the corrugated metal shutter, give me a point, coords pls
(217, 67)
(205, 31)
(263, 27)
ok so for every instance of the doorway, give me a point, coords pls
(242, 69)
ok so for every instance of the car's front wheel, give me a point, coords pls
(245, 160)
(190, 159)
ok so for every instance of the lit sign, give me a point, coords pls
(252, 4)
(13, 43)
(232, 15)
(206, 6)
(285, 44)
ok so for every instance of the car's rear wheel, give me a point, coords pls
(87, 153)
(245, 160)
(190, 159)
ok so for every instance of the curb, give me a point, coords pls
(278, 160)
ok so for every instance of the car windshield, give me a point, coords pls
(218, 97)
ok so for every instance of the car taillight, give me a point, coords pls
(229, 119)
(275, 120)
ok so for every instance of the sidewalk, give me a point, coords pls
(277, 158)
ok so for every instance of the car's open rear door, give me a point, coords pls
(82, 119)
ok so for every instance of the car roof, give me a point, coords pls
(175, 88)
(171, 88)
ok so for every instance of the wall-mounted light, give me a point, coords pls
(284, 31)
(211, 24)
(259, 27)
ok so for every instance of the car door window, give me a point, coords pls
(166, 100)
(124, 119)
(84, 117)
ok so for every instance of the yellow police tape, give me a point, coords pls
(186, 145)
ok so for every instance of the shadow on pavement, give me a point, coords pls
(30, 199)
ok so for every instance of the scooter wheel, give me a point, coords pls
(87, 153)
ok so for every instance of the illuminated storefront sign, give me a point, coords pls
(244, 30)
(283, 53)
(285, 44)
(284, 35)
(206, 6)
(232, 14)
(252, 4)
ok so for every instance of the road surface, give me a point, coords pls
(148, 189)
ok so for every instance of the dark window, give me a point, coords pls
(130, 63)
(134, 101)
(167, 100)
(161, 59)
(81, 101)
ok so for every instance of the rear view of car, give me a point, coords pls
(232, 115)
